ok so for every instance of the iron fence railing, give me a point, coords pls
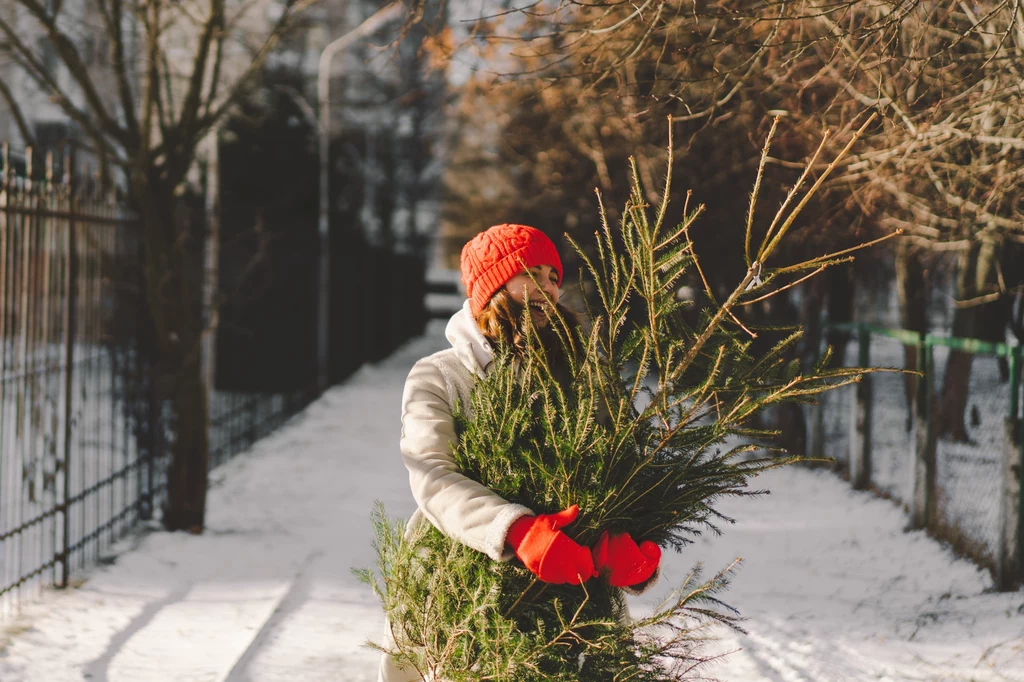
(71, 474)
(83, 432)
(239, 419)
(882, 434)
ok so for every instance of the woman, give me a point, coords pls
(503, 269)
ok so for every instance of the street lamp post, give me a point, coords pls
(211, 268)
(372, 23)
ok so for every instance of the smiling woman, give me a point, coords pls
(504, 269)
(538, 288)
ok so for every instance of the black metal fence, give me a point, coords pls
(377, 301)
(71, 474)
(239, 419)
(83, 435)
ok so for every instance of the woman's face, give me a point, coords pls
(530, 291)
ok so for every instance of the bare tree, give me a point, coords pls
(946, 164)
(173, 69)
(945, 77)
(943, 163)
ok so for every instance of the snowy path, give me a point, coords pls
(832, 589)
(830, 586)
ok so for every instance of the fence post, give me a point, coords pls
(70, 331)
(860, 441)
(1005, 549)
(149, 413)
(1013, 507)
(929, 446)
(921, 437)
(816, 437)
(1019, 350)
(211, 272)
(6, 230)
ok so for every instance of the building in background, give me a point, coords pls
(46, 124)
(387, 117)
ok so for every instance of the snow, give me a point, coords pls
(831, 587)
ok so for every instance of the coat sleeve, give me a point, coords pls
(458, 506)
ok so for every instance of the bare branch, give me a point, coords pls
(243, 82)
(113, 17)
(192, 102)
(31, 66)
(215, 76)
(76, 68)
(18, 114)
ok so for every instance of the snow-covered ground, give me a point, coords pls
(831, 587)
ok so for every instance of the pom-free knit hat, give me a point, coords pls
(498, 254)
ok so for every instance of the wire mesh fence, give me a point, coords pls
(832, 417)
(892, 428)
(103, 464)
(893, 439)
(969, 471)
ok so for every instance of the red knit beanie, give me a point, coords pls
(498, 254)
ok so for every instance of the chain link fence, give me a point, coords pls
(892, 424)
(832, 418)
(969, 474)
(885, 435)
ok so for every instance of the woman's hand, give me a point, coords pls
(623, 561)
(550, 554)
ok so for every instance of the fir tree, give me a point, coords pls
(647, 435)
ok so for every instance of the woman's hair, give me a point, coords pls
(501, 321)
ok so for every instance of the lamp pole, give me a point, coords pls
(371, 24)
(211, 268)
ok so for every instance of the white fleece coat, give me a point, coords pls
(458, 506)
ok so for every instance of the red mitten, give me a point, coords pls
(623, 561)
(550, 554)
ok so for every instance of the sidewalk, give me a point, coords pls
(831, 587)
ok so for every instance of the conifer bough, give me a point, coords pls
(647, 434)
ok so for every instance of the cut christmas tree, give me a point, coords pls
(646, 431)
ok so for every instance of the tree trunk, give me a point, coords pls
(839, 290)
(788, 418)
(189, 466)
(949, 418)
(813, 303)
(172, 270)
(1017, 324)
(912, 288)
(1013, 271)
(977, 276)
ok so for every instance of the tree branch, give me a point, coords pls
(283, 23)
(218, 59)
(150, 103)
(19, 116)
(113, 18)
(28, 63)
(190, 107)
(76, 68)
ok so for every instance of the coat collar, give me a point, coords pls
(471, 347)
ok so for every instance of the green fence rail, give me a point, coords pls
(882, 433)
